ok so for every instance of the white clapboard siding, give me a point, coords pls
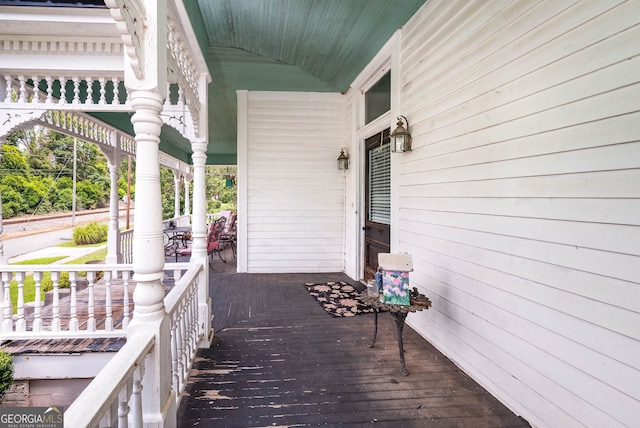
(295, 193)
(520, 201)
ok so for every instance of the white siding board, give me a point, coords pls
(596, 236)
(520, 200)
(295, 193)
(603, 184)
(574, 209)
(609, 131)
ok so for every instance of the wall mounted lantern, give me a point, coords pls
(400, 137)
(343, 159)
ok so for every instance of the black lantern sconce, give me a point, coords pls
(343, 159)
(400, 137)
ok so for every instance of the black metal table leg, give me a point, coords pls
(400, 319)
(375, 327)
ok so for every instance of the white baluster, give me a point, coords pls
(184, 346)
(175, 356)
(55, 309)
(167, 101)
(89, 90)
(91, 304)
(76, 90)
(123, 404)
(20, 322)
(8, 88)
(73, 304)
(22, 96)
(63, 90)
(125, 299)
(37, 317)
(108, 323)
(115, 82)
(103, 91)
(136, 397)
(180, 101)
(35, 97)
(7, 324)
(49, 99)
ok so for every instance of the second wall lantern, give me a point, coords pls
(343, 159)
(400, 137)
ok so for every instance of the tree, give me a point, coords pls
(37, 169)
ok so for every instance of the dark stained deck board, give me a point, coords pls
(66, 346)
(278, 359)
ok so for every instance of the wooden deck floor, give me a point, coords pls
(278, 359)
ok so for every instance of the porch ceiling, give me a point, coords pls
(286, 45)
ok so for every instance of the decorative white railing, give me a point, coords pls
(113, 397)
(126, 246)
(67, 315)
(181, 306)
(85, 93)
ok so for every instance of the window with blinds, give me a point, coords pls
(380, 184)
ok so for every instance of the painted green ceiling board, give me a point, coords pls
(288, 45)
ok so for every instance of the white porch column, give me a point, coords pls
(148, 260)
(114, 251)
(187, 203)
(176, 194)
(199, 227)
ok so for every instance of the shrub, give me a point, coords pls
(93, 233)
(6, 373)
(63, 282)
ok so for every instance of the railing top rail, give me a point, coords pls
(66, 268)
(182, 287)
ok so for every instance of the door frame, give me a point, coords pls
(388, 58)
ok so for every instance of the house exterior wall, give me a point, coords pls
(295, 194)
(520, 200)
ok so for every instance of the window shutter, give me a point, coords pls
(380, 185)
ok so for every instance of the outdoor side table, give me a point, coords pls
(399, 312)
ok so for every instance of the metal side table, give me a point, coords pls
(399, 312)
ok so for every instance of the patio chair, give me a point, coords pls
(229, 234)
(213, 241)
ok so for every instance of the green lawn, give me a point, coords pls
(40, 261)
